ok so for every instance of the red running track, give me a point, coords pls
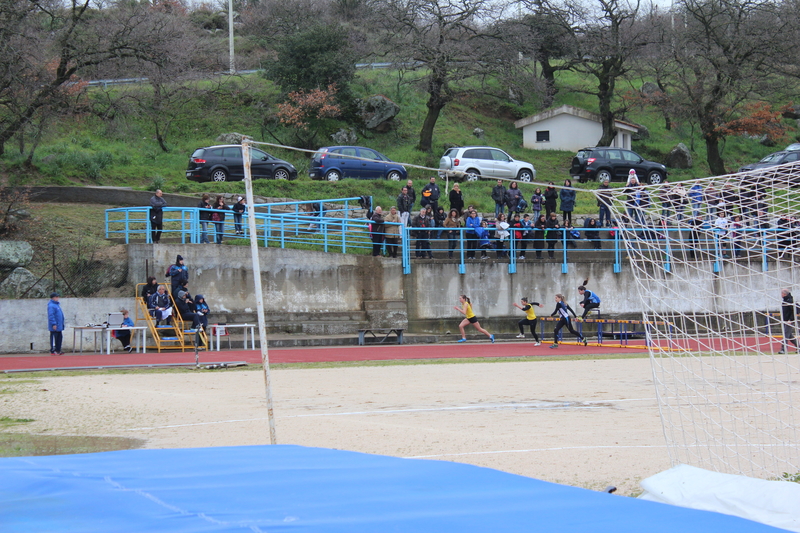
(472, 349)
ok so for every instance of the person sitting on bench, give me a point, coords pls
(590, 299)
(185, 304)
(159, 305)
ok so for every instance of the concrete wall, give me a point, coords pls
(310, 286)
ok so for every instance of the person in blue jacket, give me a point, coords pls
(124, 335)
(178, 272)
(567, 196)
(55, 324)
(202, 310)
(590, 299)
(473, 224)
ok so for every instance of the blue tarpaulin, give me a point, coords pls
(297, 489)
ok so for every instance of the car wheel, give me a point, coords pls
(525, 175)
(333, 175)
(472, 175)
(281, 174)
(219, 175)
(603, 175)
(655, 177)
(393, 176)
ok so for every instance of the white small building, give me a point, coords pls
(569, 128)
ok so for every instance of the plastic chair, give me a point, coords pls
(223, 332)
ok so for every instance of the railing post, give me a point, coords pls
(512, 263)
(617, 254)
(564, 267)
(462, 268)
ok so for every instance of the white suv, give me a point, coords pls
(475, 162)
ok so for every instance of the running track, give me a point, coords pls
(385, 352)
(472, 349)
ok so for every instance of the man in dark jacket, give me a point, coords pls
(430, 196)
(788, 316)
(185, 305)
(499, 197)
(157, 205)
(404, 205)
(378, 231)
(604, 198)
(423, 222)
(411, 194)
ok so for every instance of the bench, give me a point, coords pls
(383, 331)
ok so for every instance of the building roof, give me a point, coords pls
(574, 111)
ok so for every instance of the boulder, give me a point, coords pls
(377, 111)
(641, 134)
(15, 254)
(232, 138)
(679, 157)
(22, 279)
(792, 112)
(344, 136)
(478, 132)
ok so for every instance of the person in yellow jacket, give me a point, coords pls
(469, 318)
(529, 320)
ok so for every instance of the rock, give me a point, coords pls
(679, 157)
(641, 134)
(478, 132)
(15, 254)
(792, 112)
(649, 88)
(378, 110)
(344, 136)
(232, 138)
(22, 279)
(768, 141)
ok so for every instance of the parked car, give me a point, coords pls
(474, 162)
(793, 146)
(775, 158)
(333, 163)
(225, 163)
(601, 162)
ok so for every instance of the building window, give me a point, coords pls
(543, 136)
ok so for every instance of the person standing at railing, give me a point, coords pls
(430, 196)
(554, 234)
(452, 221)
(423, 222)
(592, 232)
(679, 198)
(157, 205)
(788, 318)
(404, 205)
(550, 199)
(537, 203)
(512, 198)
(695, 195)
(472, 223)
(377, 231)
(501, 233)
(567, 196)
(539, 230)
(238, 211)
(205, 218)
(604, 199)
(456, 199)
(218, 217)
(392, 232)
(499, 197)
(411, 194)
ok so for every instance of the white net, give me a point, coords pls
(710, 258)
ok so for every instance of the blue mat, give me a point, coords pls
(297, 489)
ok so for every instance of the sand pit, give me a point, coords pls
(584, 423)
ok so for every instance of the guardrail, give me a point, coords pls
(319, 225)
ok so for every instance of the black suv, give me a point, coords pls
(599, 163)
(225, 163)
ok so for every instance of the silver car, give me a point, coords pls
(474, 162)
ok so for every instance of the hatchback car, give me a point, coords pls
(225, 163)
(773, 159)
(474, 162)
(606, 162)
(333, 163)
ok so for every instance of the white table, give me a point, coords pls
(133, 329)
(93, 329)
(252, 327)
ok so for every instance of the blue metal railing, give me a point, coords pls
(306, 225)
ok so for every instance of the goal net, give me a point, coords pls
(710, 258)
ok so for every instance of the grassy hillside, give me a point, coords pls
(123, 152)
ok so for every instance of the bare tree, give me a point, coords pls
(54, 43)
(440, 40)
(723, 55)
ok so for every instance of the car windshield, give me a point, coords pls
(771, 158)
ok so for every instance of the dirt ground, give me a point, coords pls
(587, 423)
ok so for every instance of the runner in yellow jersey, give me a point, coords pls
(469, 318)
(529, 320)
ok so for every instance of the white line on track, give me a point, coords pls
(534, 450)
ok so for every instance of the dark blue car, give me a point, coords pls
(333, 163)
